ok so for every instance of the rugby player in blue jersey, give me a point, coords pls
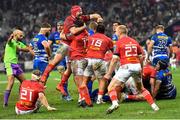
(160, 46)
(164, 88)
(40, 46)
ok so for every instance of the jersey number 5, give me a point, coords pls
(130, 51)
(26, 95)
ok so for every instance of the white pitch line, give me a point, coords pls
(4, 82)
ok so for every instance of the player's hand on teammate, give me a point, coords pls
(51, 108)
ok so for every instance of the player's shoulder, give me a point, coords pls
(26, 83)
(68, 19)
(131, 40)
(54, 33)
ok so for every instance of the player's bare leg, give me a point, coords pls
(113, 94)
(147, 96)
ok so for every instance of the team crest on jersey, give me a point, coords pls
(58, 42)
(35, 39)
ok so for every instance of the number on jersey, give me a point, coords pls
(26, 95)
(130, 51)
(96, 43)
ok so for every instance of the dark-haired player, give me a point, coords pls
(40, 46)
(164, 88)
(98, 45)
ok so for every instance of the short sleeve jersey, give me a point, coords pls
(98, 45)
(38, 48)
(128, 50)
(10, 55)
(161, 42)
(29, 93)
(56, 40)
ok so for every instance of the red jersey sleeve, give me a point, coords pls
(40, 87)
(139, 49)
(117, 51)
(153, 73)
(85, 18)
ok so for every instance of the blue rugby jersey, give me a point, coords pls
(114, 39)
(161, 43)
(36, 43)
(166, 88)
(55, 38)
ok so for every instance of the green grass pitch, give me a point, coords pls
(169, 109)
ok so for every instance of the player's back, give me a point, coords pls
(29, 91)
(98, 45)
(128, 50)
(161, 42)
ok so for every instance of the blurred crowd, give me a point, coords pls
(139, 15)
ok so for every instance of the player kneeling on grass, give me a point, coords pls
(32, 96)
(164, 88)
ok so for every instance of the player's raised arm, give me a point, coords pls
(96, 16)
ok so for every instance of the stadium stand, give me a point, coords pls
(139, 15)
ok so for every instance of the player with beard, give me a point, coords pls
(41, 48)
(13, 70)
(69, 33)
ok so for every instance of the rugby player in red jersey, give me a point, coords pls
(31, 96)
(129, 53)
(98, 45)
(69, 33)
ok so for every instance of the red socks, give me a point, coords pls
(48, 69)
(85, 93)
(64, 79)
(113, 95)
(147, 96)
(100, 92)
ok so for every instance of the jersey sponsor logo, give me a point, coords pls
(96, 44)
